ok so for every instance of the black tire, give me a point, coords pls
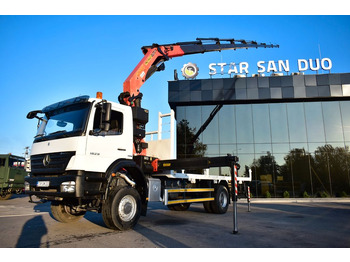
(171, 207)
(221, 200)
(179, 207)
(5, 196)
(64, 213)
(207, 206)
(106, 209)
(122, 209)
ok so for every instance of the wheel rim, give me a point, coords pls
(127, 208)
(223, 199)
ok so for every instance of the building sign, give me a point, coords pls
(190, 70)
(270, 66)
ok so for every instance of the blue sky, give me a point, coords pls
(45, 59)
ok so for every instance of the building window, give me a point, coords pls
(302, 147)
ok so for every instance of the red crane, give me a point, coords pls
(153, 61)
(155, 56)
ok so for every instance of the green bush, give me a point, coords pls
(324, 194)
(306, 195)
(267, 194)
(286, 194)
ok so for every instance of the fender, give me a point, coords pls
(134, 173)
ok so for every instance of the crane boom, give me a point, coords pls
(153, 60)
(155, 56)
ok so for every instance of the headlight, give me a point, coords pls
(68, 187)
(27, 165)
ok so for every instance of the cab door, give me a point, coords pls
(3, 171)
(103, 148)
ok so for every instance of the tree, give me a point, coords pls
(332, 165)
(297, 170)
(266, 166)
(186, 147)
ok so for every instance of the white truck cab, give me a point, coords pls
(77, 125)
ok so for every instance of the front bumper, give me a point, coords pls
(51, 186)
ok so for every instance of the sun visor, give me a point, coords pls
(68, 102)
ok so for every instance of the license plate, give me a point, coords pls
(43, 184)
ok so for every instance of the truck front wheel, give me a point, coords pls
(5, 196)
(65, 213)
(122, 209)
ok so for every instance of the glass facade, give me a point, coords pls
(297, 147)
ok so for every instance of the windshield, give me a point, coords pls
(66, 121)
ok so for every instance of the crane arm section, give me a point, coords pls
(155, 56)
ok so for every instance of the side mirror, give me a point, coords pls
(107, 109)
(106, 116)
(104, 110)
(33, 114)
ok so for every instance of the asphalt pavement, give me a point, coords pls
(282, 223)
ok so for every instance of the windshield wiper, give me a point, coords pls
(57, 132)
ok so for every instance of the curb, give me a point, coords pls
(296, 200)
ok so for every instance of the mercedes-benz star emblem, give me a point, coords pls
(46, 160)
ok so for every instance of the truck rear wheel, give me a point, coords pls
(221, 201)
(64, 213)
(122, 209)
(207, 207)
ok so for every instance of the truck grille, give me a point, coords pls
(50, 164)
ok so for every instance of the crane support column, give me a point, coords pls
(234, 193)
